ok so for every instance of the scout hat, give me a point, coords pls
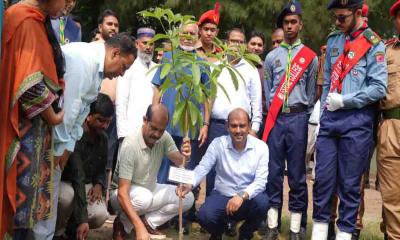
(291, 8)
(349, 4)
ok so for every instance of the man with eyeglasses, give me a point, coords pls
(355, 74)
(290, 78)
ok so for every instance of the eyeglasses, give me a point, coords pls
(236, 41)
(341, 18)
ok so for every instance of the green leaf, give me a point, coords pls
(179, 109)
(166, 85)
(193, 112)
(238, 74)
(153, 69)
(223, 90)
(166, 67)
(147, 14)
(234, 78)
(158, 36)
(170, 15)
(252, 58)
(198, 94)
(196, 73)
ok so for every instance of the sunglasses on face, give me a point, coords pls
(341, 18)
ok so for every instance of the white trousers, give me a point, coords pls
(157, 206)
(97, 211)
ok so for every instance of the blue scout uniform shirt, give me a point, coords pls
(168, 98)
(366, 82)
(274, 66)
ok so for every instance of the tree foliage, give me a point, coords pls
(250, 14)
(183, 71)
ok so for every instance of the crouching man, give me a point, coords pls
(241, 165)
(142, 203)
(81, 204)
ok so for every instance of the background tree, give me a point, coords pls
(250, 14)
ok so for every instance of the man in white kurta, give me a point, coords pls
(134, 89)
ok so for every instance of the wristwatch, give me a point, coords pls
(243, 195)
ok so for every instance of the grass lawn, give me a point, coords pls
(371, 232)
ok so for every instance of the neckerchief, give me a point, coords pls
(62, 28)
(287, 70)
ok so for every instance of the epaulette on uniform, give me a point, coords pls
(334, 33)
(372, 36)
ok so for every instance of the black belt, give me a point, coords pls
(295, 109)
(220, 121)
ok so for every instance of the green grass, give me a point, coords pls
(371, 231)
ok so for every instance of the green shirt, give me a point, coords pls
(139, 163)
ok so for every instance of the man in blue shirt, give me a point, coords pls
(241, 164)
(355, 77)
(287, 139)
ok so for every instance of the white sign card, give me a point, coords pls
(181, 175)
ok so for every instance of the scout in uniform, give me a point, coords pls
(355, 75)
(388, 157)
(290, 82)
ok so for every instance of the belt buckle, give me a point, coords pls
(286, 110)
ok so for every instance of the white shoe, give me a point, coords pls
(320, 231)
(343, 235)
(272, 218)
(295, 222)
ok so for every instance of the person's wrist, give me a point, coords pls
(243, 195)
(206, 124)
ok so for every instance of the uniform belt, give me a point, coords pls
(392, 113)
(220, 121)
(295, 109)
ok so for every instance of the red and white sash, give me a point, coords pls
(343, 65)
(299, 65)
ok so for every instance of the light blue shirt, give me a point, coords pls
(84, 68)
(236, 171)
(365, 83)
(274, 67)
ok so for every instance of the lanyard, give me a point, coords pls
(62, 28)
(287, 71)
